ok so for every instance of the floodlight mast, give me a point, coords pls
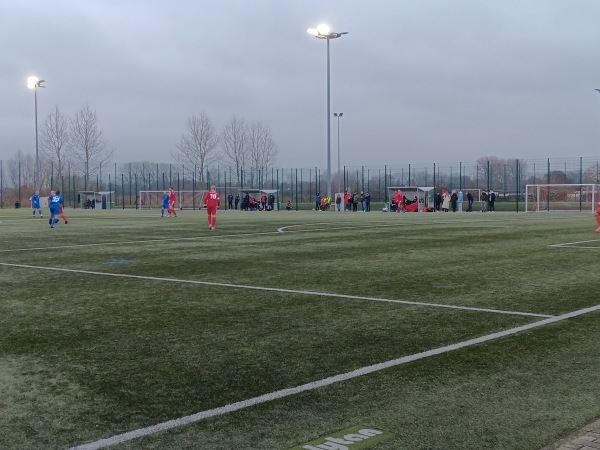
(34, 83)
(324, 32)
(338, 115)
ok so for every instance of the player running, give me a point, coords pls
(165, 204)
(212, 201)
(62, 204)
(54, 202)
(598, 218)
(172, 200)
(35, 203)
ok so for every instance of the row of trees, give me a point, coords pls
(77, 140)
(238, 145)
(77, 143)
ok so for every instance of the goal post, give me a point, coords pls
(561, 197)
(185, 199)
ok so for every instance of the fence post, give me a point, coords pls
(518, 182)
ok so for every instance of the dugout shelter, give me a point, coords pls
(423, 194)
(258, 193)
(95, 200)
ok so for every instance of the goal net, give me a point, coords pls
(185, 199)
(561, 197)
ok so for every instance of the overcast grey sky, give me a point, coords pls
(418, 81)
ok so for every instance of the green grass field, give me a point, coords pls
(451, 331)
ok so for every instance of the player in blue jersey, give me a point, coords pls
(165, 203)
(54, 201)
(35, 203)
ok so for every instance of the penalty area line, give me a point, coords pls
(232, 407)
(272, 289)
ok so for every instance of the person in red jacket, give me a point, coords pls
(598, 218)
(212, 201)
(172, 201)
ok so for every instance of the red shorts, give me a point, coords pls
(211, 210)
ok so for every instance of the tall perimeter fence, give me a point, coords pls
(123, 182)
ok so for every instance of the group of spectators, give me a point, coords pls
(266, 202)
(445, 201)
(353, 200)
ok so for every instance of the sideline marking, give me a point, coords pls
(157, 428)
(285, 291)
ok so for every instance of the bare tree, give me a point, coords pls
(234, 144)
(55, 140)
(262, 150)
(87, 145)
(198, 145)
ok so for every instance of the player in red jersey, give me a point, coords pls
(172, 200)
(399, 200)
(62, 214)
(598, 218)
(212, 201)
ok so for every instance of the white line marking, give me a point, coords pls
(574, 244)
(272, 289)
(135, 434)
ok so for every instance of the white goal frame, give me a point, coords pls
(579, 197)
(185, 199)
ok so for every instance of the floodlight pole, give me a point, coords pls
(34, 83)
(323, 32)
(338, 115)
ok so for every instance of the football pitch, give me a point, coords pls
(280, 330)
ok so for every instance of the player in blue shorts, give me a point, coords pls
(165, 204)
(35, 203)
(54, 201)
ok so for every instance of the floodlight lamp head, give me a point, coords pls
(324, 29)
(32, 82)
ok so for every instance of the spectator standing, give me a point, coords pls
(237, 200)
(338, 202)
(445, 201)
(483, 199)
(347, 200)
(492, 201)
(454, 201)
(263, 201)
(355, 199)
(271, 202)
(368, 201)
(459, 201)
(469, 202)
(230, 201)
(318, 202)
(363, 205)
